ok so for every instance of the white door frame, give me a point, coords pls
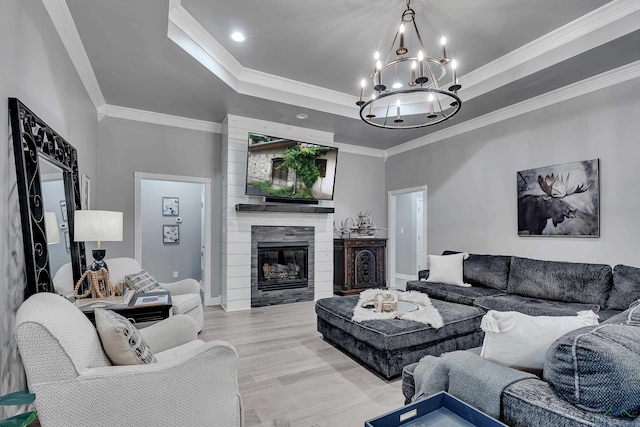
(391, 244)
(138, 176)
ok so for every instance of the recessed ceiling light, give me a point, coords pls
(237, 37)
(397, 85)
(301, 116)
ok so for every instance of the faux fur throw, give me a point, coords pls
(427, 313)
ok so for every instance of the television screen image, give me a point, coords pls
(280, 168)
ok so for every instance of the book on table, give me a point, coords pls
(144, 301)
(120, 301)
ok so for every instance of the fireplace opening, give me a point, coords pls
(282, 265)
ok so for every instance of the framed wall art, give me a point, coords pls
(170, 206)
(170, 234)
(560, 200)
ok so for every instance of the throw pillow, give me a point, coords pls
(596, 369)
(447, 269)
(520, 341)
(121, 341)
(141, 282)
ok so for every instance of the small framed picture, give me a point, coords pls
(170, 234)
(170, 206)
(63, 209)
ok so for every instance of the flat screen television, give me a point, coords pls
(286, 170)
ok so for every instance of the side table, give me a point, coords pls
(148, 313)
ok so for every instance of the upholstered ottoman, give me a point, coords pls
(388, 345)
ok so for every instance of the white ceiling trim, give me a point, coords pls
(63, 22)
(600, 26)
(608, 22)
(591, 84)
(127, 113)
(188, 33)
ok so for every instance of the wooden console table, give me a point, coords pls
(358, 264)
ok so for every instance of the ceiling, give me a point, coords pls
(325, 49)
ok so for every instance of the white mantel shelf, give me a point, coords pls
(283, 208)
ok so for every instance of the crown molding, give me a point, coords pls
(359, 150)
(126, 113)
(63, 22)
(611, 21)
(591, 84)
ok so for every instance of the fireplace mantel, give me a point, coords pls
(245, 207)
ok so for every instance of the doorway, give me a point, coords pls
(407, 246)
(173, 228)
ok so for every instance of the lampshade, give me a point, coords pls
(51, 228)
(97, 226)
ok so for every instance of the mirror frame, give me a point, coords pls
(33, 138)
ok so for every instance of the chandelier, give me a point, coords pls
(407, 90)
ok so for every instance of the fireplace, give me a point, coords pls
(282, 265)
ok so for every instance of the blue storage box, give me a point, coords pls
(439, 410)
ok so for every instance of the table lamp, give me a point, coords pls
(97, 226)
(51, 228)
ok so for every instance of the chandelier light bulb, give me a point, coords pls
(363, 83)
(376, 55)
(430, 97)
(420, 56)
(398, 103)
(413, 65)
(397, 85)
(454, 64)
(378, 65)
(402, 28)
(443, 40)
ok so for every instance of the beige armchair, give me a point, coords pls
(192, 383)
(185, 294)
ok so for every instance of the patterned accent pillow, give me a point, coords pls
(141, 282)
(121, 340)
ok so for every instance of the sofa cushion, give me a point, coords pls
(491, 271)
(397, 334)
(452, 293)
(121, 341)
(141, 282)
(532, 306)
(626, 287)
(520, 341)
(560, 281)
(596, 368)
(183, 303)
(447, 269)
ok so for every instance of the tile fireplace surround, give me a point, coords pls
(236, 226)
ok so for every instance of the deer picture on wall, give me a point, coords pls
(560, 200)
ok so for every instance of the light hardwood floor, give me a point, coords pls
(289, 376)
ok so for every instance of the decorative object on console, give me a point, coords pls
(171, 234)
(560, 200)
(33, 139)
(520, 341)
(426, 313)
(447, 269)
(362, 227)
(99, 285)
(170, 206)
(98, 226)
(410, 82)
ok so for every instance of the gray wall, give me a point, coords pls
(471, 178)
(406, 240)
(162, 259)
(36, 69)
(127, 147)
(360, 187)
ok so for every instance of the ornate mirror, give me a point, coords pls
(49, 193)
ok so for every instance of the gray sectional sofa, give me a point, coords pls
(586, 367)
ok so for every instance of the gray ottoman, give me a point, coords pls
(389, 345)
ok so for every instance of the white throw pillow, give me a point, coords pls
(447, 269)
(521, 341)
(121, 341)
